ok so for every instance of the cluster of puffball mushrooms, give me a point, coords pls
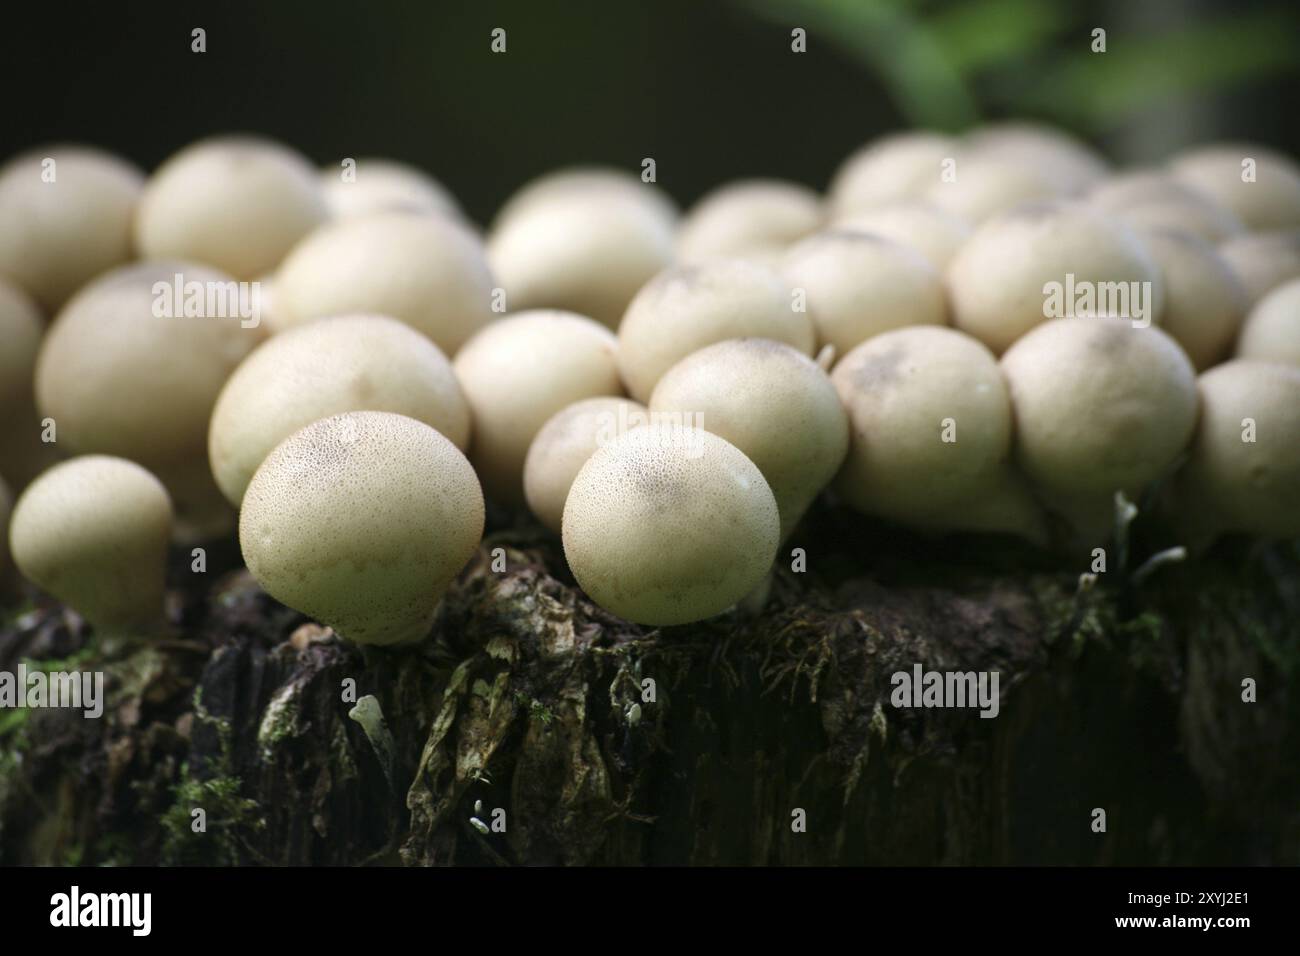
(346, 363)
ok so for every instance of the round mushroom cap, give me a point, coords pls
(1244, 464)
(1100, 406)
(382, 185)
(935, 234)
(1153, 201)
(563, 445)
(60, 232)
(1263, 260)
(1204, 300)
(519, 372)
(893, 167)
(773, 403)
(859, 284)
(22, 453)
(599, 181)
(686, 308)
(129, 369)
(929, 422)
(341, 364)
(668, 525)
(999, 280)
(93, 531)
(361, 521)
(585, 249)
(1270, 201)
(238, 203)
(1067, 163)
(751, 216)
(985, 186)
(427, 271)
(1271, 332)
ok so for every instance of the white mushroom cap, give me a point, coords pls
(748, 216)
(1153, 201)
(58, 235)
(1263, 260)
(238, 203)
(985, 186)
(602, 181)
(583, 244)
(858, 285)
(935, 234)
(1067, 163)
(121, 376)
(997, 281)
(341, 364)
(93, 532)
(773, 403)
(563, 445)
(361, 521)
(1100, 406)
(427, 271)
(896, 166)
(1271, 201)
(1271, 332)
(900, 390)
(22, 453)
(1236, 484)
(668, 525)
(1204, 299)
(686, 308)
(519, 372)
(382, 185)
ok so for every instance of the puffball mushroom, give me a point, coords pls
(1243, 469)
(773, 403)
(563, 445)
(238, 203)
(427, 271)
(935, 234)
(686, 308)
(323, 368)
(588, 180)
(125, 371)
(381, 185)
(983, 187)
(858, 285)
(895, 166)
(1264, 260)
(519, 372)
(67, 217)
(668, 525)
(1151, 201)
(930, 433)
(1100, 407)
(1271, 332)
(361, 521)
(1204, 299)
(22, 453)
(747, 217)
(1069, 165)
(998, 281)
(93, 531)
(581, 242)
(1269, 200)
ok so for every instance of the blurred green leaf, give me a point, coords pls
(986, 33)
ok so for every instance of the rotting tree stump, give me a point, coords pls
(519, 732)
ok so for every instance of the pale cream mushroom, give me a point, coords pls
(133, 368)
(66, 214)
(981, 187)
(857, 285)
(238, 203)
(1204, 300)
(1153, 201)
(773, 403)
(1257, 184)
(1271, 332)
(323, 368)
(22, 453)
(748, 217)
(935, 234)
(519, 372)
(362, 521)
(896, 166)
(686, 308)
(668, 525)
(563, 445)
(1065, 162)
(93, 531)
(427, 271)
(1263, 260)
(383, 185)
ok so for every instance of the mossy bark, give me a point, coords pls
(524, 730)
